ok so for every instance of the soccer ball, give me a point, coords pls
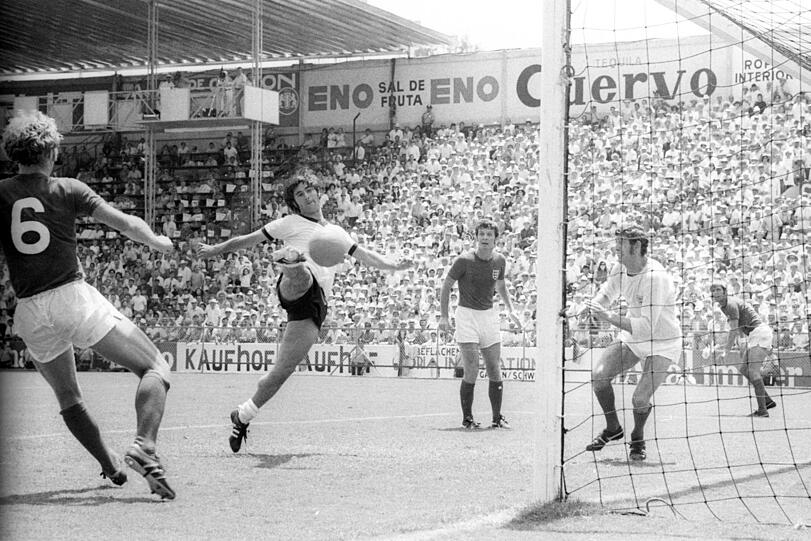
(328, 247)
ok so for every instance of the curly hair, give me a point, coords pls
(30, 136)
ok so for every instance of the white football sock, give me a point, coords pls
(247, 411)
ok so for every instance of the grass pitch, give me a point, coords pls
(327, 458)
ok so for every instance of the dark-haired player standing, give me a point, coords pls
(650, 333)
(480, 274)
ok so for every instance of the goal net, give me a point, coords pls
(692, 121)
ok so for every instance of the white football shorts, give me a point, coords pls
(71, 314)
(761, 336)
(480, 327)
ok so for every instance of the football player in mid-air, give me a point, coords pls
(57, 309)
(303, 289)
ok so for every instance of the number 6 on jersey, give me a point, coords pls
(20, 227)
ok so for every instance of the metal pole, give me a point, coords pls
(256, 126)
(549, 282)
(354, 156)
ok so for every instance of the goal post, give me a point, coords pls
(550, 263)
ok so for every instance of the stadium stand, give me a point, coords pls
(439, 186)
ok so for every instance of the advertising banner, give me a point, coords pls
(786, 368)
(324, 359)
(441, 361)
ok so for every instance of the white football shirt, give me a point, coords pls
(651, 298)
(296, 231)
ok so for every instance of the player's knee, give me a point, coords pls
(160, 370)
(599, 379)
(641, 404)
(281, 372)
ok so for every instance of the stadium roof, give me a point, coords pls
(59, 36)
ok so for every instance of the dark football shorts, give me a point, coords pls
(311, 305)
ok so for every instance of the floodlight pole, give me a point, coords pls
(150, 161)
(550, 274)
(256, 126)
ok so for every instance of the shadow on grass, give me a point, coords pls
(75, 496)
(274, 461)
(641, 464)
(536, 515)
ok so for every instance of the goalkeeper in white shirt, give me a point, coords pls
(650, 334)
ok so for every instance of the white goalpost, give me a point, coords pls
(551, 244)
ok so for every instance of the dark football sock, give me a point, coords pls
(466, 396)
(85, 429)
(760, 394)
(640, 418)
(495, 391)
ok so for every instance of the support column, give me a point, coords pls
(256, 126)
(150, 187)
(150, 178)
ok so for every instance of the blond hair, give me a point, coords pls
(30, 136)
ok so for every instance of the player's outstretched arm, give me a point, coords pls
(379, 261)
(232, 244)
(133, 227)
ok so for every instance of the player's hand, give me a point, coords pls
(204, 250)
(163, 244)
(444, 325)
(595, 309)
(402, 264)
(519, 325)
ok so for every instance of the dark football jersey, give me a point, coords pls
(746, 315)
(477, 279)
(38, 230)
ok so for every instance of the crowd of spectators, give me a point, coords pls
(721, 183)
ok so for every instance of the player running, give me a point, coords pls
(650, 333)
(480, 274)
(57, 309)
(754, 338)
(303, 289)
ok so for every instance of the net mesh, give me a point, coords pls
(782, 25)
(702, 141)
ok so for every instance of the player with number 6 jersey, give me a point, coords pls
(57, 309)
(38, 230)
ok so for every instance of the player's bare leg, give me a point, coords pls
(128, 346)
(60, 374)
(495, 391)
(654, 373)
(470, 362)
(616, 359)
(752, 361)
(299, 337)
